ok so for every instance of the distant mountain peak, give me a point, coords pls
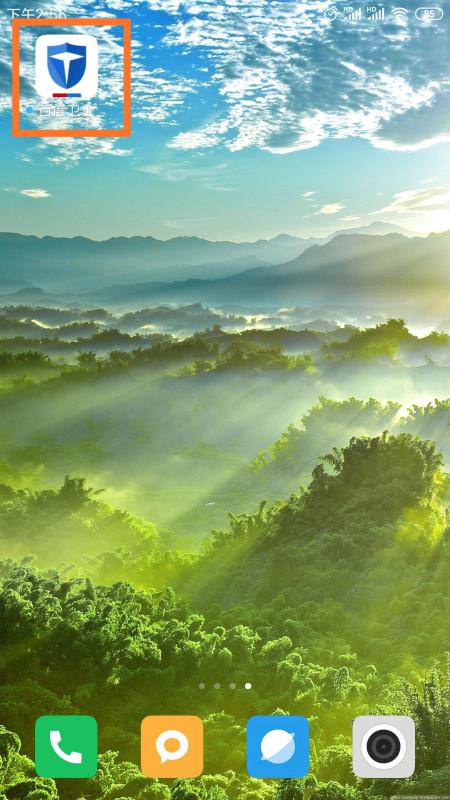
(377, 228)
(32, 290)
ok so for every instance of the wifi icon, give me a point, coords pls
(400, 14)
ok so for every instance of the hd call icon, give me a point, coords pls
(66, 746)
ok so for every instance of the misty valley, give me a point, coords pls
(198, 492)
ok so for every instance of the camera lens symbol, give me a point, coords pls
(383, 746)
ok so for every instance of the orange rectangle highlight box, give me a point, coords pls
(19, 23)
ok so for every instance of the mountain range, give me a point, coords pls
(350, 268)
(54, 263)
(390, 269)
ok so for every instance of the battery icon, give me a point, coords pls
(429, 14)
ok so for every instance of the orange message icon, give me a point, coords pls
(172, 747)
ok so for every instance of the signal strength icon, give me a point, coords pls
(375, 13)
(400, 14)
(352, 13)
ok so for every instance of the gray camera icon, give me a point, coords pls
(384, 747)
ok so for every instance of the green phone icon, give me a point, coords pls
(66, 746)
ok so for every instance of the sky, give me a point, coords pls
(251, 118)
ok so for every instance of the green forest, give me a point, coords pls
(184, 510)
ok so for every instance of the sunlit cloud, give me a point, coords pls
(331, 208)
(428, 207)
(35, 194)
(416, 201)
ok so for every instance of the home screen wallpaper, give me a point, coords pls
(224, 387)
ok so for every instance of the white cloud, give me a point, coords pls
(308, 195)
(350, 218)
(418, 201)
(69, 152)
(158, 95)
(35, 194)
(120, 5)
(197, 140)
(209, 176)
(331, 208)
(267, 59)
(169, 6)
(427, 208)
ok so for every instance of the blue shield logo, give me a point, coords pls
(66, 64)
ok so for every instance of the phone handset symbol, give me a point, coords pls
(72, 758)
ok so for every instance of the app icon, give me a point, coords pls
(278, 747)
(383, 747)
(172, 747)
(66, 65)
(66, 746)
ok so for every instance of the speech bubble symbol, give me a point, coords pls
(277, 746)
(168, 755)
